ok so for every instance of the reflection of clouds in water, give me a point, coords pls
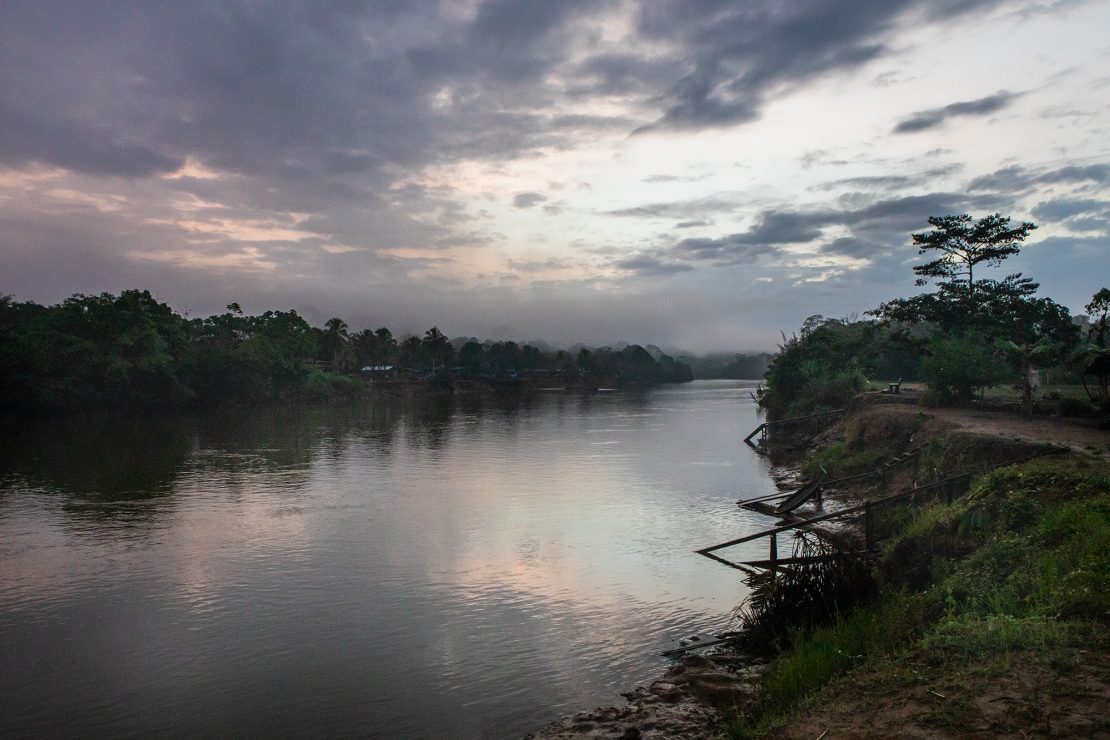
(224, 536)
(503, 554)
(40, 563)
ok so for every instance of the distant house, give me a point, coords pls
(379, 371)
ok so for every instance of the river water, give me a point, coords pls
(430, 568)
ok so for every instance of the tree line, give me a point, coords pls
(130, 350)
(971, 332)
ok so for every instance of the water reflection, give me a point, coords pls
(467, 566)
(104, 459)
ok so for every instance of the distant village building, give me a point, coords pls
(379, 371)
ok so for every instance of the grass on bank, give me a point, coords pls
(1019, 566)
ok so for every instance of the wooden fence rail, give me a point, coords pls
(867, 510)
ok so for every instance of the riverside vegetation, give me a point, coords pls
(988, 615)
(984, 615)
(961, 339)
(132, 351)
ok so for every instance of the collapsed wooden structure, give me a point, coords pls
(865, 513)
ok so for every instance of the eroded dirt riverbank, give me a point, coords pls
(687, 702)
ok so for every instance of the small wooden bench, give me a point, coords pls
(894, 387)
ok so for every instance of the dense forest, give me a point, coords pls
(739, 366)
(970, 333)
(130, 350)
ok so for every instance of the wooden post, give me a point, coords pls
(774, 552)
(869, 534)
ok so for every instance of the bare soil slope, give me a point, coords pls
(1075, 434)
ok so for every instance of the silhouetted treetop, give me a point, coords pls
(964, 243)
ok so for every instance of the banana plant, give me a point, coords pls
(1079, 360)
(1029, 356)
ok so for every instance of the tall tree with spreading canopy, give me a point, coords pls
(1004, 308)
(1004, 313)
(963, 243)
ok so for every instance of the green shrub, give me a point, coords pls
(841, 459)
(827, 365)
(955, 366)
(319, 384)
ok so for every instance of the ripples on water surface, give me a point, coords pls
(462, 568)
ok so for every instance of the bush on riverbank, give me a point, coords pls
(828, 365)
(1018, 567)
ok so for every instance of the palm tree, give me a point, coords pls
(409, 351)
(436, 346)
(337, 341)
(386, 346)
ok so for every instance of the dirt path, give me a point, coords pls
(1074, 434)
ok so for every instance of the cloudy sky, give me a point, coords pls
(697, 174)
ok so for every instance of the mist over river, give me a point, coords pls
(438, 567)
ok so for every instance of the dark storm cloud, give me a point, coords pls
(649, 266)
(25, 138)
(727, 250)
(553, 263)
(622, 74)
(850, 246)
(1017, 178)
(911, 209)
(772, 230)
(1094, 173)
(1077, 214)
(779, 227)
(527, 200)
(737, 54)
(673, 178)
(328, 103)
(878, 182)
(889, 182)
(1065, 208)
(1013, 178)
(928, 119)
(686, 209)
(876, 227)
(301, 94)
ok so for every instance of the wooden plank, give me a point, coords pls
(729, 563)
(803, 494)
(755, 431)
(776, 530)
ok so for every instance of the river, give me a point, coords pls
(440, 567)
